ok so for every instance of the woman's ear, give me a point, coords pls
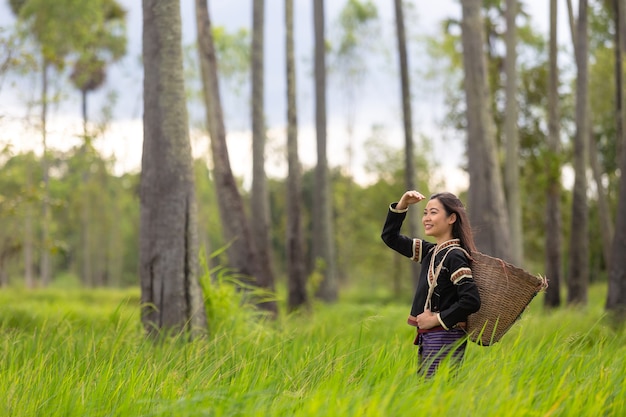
(452, 218)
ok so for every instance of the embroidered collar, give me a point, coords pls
(447, 244)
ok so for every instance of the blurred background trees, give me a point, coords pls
(534, 137)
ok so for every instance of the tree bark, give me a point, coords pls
(242, 253)
(323, 244)
(616, 297)
(296, 273)
(578, 277)
(259, 195)
(170, 293)
(487, 208)
(407, 118)
(553, 193)
(511, 168)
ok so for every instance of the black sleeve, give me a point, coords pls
(467, 292)
(391, 233)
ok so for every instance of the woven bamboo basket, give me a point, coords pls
(505, 291)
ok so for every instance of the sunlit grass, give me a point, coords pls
(82, 353)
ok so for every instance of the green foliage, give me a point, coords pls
(233, 51)
(59, 27)
(110, 203)
(13, 54)
(229, 299)
(83, 353)
(357, 22)
(603, 120)
(106, 43)
(536, 163)
(209, 224)
(352, 44)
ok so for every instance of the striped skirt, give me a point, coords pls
(435, 346)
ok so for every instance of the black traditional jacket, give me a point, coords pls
(445, 280)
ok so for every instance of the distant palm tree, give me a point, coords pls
(106, 45)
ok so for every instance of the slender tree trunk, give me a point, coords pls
(168, 252)
(87, 276)
(616, 297)
(621, 11)
(553, 193)
(578, 277)
(409, 153)
(83, 94)
(604, 212)
(29, 276)
(29, 280)
(45, 218)
(114, 265)
(620, 49)
(511, 169)
(242, 253)
(487, 208)
(296, 272)
(87, 270)
(259, 195)
(324, 248)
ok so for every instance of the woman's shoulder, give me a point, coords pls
(458, 255)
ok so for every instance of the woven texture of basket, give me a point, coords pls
(505, 291)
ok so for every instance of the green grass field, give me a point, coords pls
(82, 353)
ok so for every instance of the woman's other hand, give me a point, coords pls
(427, 320)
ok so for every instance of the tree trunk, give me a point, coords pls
(620, 49)
(486, 202)
(45, 218)
(259, 195)
(578, 277)
(85, 234)
(29, 276)
(511, 168)
(621, 11)
(604, 212)
(616, 297)
(242, 253)
(409, 160)
(553, 193)
(170, 293)
(296, 274)
(83, 95)
(323, 245)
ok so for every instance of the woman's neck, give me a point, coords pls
(444, 239)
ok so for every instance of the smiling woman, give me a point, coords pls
(446, 293)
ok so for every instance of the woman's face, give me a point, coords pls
(436, 221)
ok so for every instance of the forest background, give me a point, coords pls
(96, 251)
(91, 230)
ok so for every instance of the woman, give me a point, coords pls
(446, 293)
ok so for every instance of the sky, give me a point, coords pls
(378, 98)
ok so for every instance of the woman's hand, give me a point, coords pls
(427, 320)
(408, 198)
